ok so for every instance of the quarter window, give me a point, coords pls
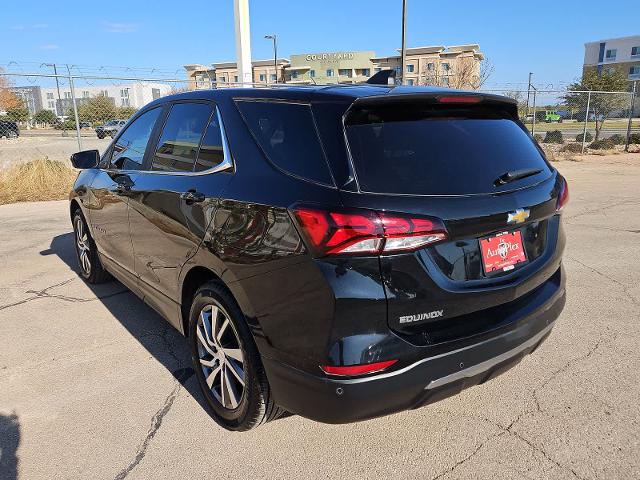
(128, 151)
(211, 153)
(286, 132)
(180, 139)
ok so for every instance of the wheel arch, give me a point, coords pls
(193, 280)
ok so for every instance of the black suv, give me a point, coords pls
(9, 129)
(338, 252)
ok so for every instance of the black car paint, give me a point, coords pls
(305, 312)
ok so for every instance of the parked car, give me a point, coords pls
(111, 128)
(85, 124)
(9, 129)
(335, 252)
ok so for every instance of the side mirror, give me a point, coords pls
(86, 159)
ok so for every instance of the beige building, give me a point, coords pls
(458, 66)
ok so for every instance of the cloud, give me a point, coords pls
(120, 27)
(40, 25)
(49, 46)
(17, 27)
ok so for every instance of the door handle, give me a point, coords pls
(192, 196)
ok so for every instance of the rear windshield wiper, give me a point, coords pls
(515, 175)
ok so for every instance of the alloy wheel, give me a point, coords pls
(82, 245)
(220, 356)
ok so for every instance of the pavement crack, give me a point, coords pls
(156, 423)
(45, 293)
(625, 288)
(602, 209)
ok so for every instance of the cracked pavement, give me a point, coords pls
(94, 384)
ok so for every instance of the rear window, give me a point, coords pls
(432, 150)
(287, 134)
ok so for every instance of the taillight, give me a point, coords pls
(358, 232)
(563, 196)
(361, 369)
(460, 99)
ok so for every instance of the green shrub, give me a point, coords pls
(572, 147)
(553, 136)
(634, 138)
(618, 139)
(537, 137)
(66, 125)
(604, 144)
(587, 137)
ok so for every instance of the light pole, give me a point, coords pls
(55, 72)
(404, 40)
(274, 37)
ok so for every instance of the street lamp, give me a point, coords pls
(274, 37)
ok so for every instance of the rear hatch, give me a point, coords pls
(467, 161)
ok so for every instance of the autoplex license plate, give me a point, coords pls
(502, 252)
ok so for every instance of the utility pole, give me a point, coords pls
(404, 40)
(528, 96)
(55, 72)
(243, 42)
(632, 108)
(274, 37)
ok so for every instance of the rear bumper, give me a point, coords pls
(425, 381)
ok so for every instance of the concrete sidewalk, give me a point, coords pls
(94, 384)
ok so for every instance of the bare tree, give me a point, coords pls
(463, 73)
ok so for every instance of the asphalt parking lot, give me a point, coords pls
(94, 384)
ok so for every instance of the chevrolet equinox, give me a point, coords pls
(337, 252)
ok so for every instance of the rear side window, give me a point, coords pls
(431, 150)
(181, 135)
(287, 134)
(211, 152)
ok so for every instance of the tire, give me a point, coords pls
(229, 360)
(91, 270)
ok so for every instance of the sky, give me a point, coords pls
(543, 37)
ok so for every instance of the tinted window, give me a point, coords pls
(439, 151)
(287, 134)
(180, 139)
(211, 153)
(128, 151)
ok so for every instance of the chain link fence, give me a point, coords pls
(53, 115)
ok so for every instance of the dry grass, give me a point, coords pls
(36, 181)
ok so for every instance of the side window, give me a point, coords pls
(181, 135)
(287, 134)
(211, 153)
(128, 151)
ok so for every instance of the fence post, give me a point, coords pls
(75, 108)
(631, 108)
(586, 120)
(533, 122)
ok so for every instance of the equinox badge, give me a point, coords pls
(519, 216)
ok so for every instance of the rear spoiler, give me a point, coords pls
(439, 96)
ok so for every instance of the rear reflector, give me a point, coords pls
(351, 370)
(563, 196)
(362, 232)
(460, 99)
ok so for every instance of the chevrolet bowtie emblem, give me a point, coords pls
(519, 216)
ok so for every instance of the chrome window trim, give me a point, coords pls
(227, 163)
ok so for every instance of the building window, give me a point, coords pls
(635, 70)
(410, 82)
(85, 94)
(52, 104)
(611, 55)
(398, 71)
(329, 72)
(67, 94)
(155, 93)
(235, 78)
(430, 67)
(49, 96)
(263, 77)
(445, 81)
(312, 73)
(294, 74)
(366, 72)
(635, 51)
(410, 68)
(377, 69)
(104, 93)
(345, 72)
(445, 67)
(273, 77)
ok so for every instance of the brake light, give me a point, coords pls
(357, 232)
(460, 99)
(362, 369)
(563, 196)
